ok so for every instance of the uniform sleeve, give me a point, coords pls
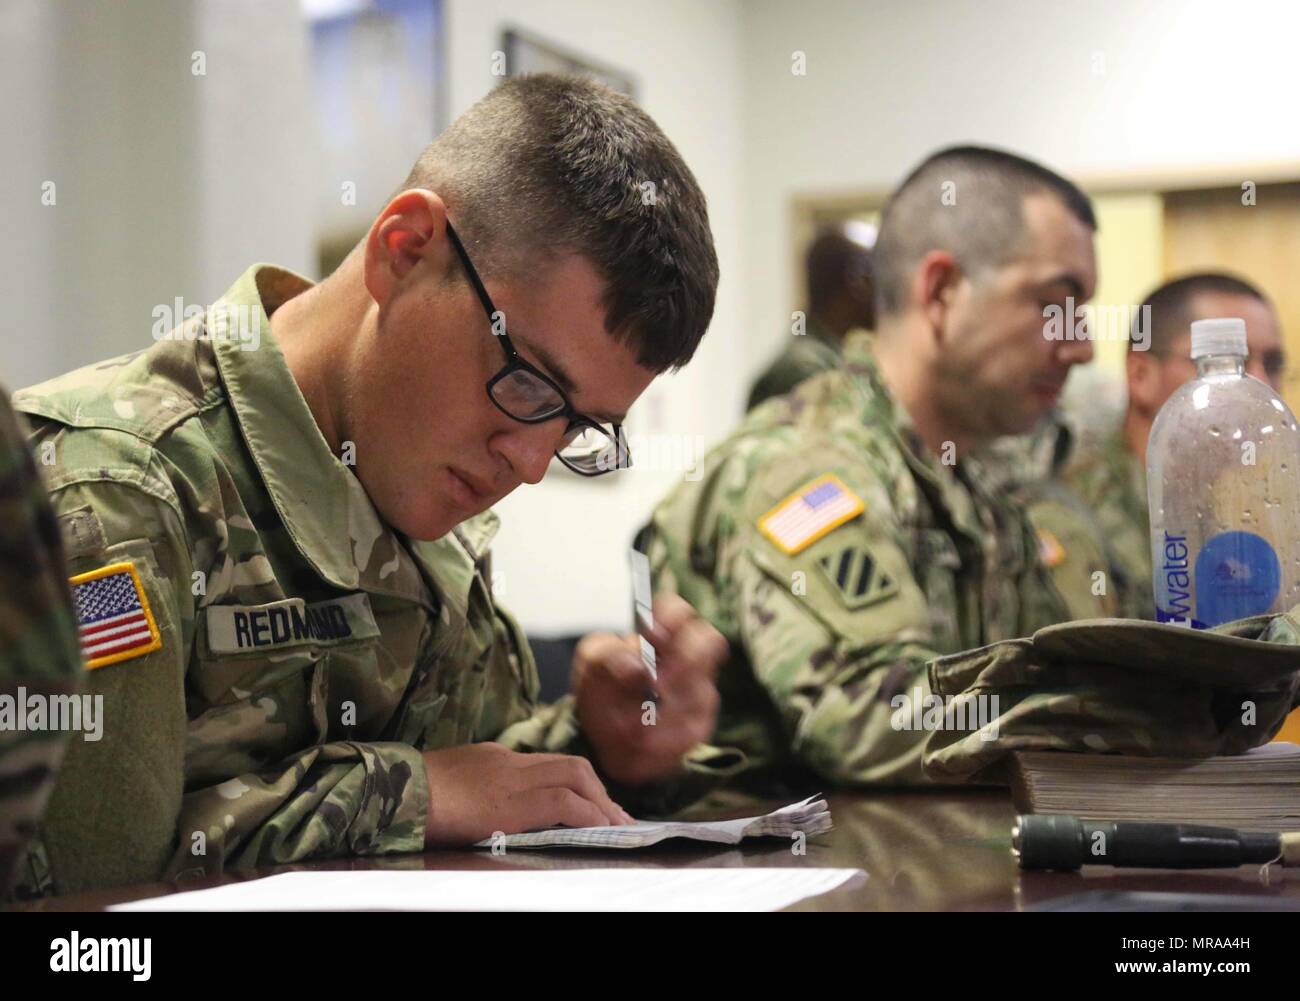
(126, 809)
(39, 651)
(837, 629)
(1074, 554)
(339, 798)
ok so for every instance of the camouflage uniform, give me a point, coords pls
(1115, 686)
(814, 351)
(1105, 473)
(825, 636)
(39, 651)
(308, 652)
(1072, 542)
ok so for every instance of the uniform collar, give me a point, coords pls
(323, 506)
(882, 411)
(307, 483)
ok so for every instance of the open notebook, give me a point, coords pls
(809, 817)
(1259, 790)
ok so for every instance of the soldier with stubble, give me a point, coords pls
(847, 533)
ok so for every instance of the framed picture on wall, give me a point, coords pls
(379, 77)
(526, 53)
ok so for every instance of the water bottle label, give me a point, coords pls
(1237, 575)
(1174, 619)
(1174, 583)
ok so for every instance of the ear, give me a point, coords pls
(934, 287)
(1143, 370)
(411, 229)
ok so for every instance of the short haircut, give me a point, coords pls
(1171, 307)
(546, 165)
(833, 262)
(969, 201)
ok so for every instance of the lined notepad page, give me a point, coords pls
(808, 817)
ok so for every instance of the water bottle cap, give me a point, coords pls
(1226, 336)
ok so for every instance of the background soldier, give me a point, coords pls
(840, 298)
(846, 536)
(39, 650)
(1107, 471)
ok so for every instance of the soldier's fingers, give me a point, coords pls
(571, 772)
(537, 809)
(617, 658)
(672, 611)
(595, 648)
(697, 648)
(627, 672)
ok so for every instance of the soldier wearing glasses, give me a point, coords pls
(279, 542)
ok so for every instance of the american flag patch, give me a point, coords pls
(113, 615)
(810, 512)
(1050, 551)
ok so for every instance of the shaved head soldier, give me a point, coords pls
(283, 526)
(845, 536)
(840, 298)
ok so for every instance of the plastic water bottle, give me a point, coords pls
(1223, 482)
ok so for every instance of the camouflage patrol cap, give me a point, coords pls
(1119, 686)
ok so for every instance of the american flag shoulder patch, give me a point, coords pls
(1050, 550)
(816, 508)
(113, 615)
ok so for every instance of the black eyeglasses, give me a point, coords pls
(523, 392)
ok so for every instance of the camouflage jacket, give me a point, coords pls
(1072, 543)
(40, 657)
(300, 653)
(805, 356)
(1116, 686)
(832, 618)
(1109, 478)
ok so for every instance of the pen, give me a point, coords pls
(643, 619)
(1056, 841)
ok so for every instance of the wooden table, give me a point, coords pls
(922, 851)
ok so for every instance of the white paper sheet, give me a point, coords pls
(734, 889)
(809, 817)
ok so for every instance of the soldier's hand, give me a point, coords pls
(636, 741)
(479, 789)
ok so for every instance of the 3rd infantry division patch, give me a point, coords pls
(854, 574)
